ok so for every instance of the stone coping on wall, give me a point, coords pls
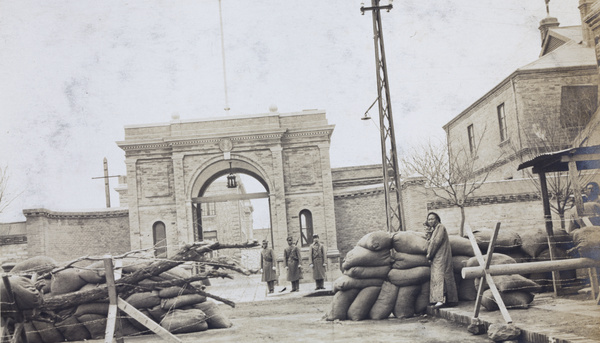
(488, 200)
(358, 191)
(78, 214)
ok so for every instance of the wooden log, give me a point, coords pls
(530, 267)
(190, 252)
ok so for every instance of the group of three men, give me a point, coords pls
(293, 264)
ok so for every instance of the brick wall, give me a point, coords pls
(68, 235)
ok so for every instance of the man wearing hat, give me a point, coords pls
(293, 264)
(317, 262)
(267, 266)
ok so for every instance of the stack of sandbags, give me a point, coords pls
(515, 290)
(587, 241)
(462, 251)
(410, 273)
(365, 269)
(544, 279)
(177, 309)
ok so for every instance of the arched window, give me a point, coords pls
(306, 228)
(159, 235)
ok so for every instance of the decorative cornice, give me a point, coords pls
(358, 193)
(42, 212)
(488, 200)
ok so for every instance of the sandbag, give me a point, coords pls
(518, 255)
(175, 273)
(512, 300)
(182, 301)
(360, 256)
(497, 258)
(92, 275)
(512, 282)
(410, 242)
(174, 291)
(157, 313)
(31, 332)
(92, 308)
(362, 304)
(422, 299)
(375, 241)
(407, 261)
(359, 272)
(143, 300)
(66, 281)
(37, 264)
(341, 303)
(466, 290)
(72, 329)
(214, 316)
(409, 277)
(384, 304)
(137, 324)
(533, 242)
(346, 282)
(95, 324)
(460, 246)
(459, 262)
(133, 264)
(587, 241)
(184, 321)
(26, 295)
(48, 332)
(544, 279)
(406, 300)
(43, 285)
(506, 240)
(127, 329)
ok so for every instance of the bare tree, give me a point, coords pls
(545, 137)
(451, 177)
(5, 197)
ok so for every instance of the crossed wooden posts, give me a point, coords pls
(487, 277)
(116, 303)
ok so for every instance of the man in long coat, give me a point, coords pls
(317, 262)
(293, 264)
(267, 266)
(442, 289)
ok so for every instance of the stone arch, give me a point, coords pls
(217, 167)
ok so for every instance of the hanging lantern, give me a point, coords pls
(231, 181)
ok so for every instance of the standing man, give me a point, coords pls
(293, 264)
(317, 262)
(267, 266)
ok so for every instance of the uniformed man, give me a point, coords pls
(317, 262)
(267, 266)
(293, 264)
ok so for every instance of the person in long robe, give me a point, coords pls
(293, 263)
(439, 254)
(267, 266)
(317, 262)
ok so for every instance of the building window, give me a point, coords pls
(159, 235)
(208, 209)
(577, 104)
(502, 123)
(306, 227)
(471, 134)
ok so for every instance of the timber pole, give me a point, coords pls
(530, 267)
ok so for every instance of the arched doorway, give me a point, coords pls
(233, 206)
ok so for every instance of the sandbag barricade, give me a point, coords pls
(177, 309)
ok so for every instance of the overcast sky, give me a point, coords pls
(74, 73)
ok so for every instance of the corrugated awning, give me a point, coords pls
(584, 157)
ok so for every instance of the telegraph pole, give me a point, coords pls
(389, 157)
(106, 185)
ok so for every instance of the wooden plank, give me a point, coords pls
(147, 322)
(549, 230)
(229, 197)
(488, 277)
(593, 282)
(530, 267)
(110, 334)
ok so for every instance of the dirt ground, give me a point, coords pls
(301, 320)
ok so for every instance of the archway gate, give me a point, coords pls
(170, 164)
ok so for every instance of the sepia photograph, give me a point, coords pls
(303, 171)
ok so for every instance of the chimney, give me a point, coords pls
(545, 25)
(584, 10)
